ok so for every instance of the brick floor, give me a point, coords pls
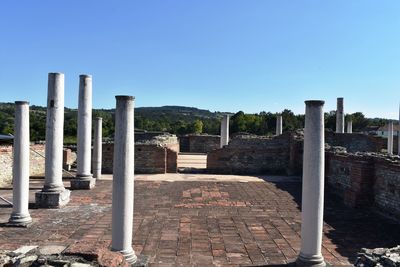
(196, 223)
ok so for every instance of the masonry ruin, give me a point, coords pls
(361, 170)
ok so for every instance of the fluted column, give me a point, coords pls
(53, 194)
(84, 179)
(224, 131)
(20, 213)
(313, 186)
(97, 148)
(123, 178)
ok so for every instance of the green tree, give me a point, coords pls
(197, 127)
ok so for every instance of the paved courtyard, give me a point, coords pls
(204, 220)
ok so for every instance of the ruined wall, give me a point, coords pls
(158, 155)
(365, 180)
(184, 143)
(172, 160)
(357, 142)
(107, 158)
(147, 136)
(203, 143)
(6, 162)
(150, 159)
(196, 143)
(249, 154)
(351, 177)
(387, 187)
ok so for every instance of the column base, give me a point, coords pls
(52, 200)
(129, 256)
(19, 220)
(97, 175)
(310, 261)
(142, 261)
(85, 183)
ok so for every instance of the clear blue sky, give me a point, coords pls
(218, 55)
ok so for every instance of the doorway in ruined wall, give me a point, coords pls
(192, 162)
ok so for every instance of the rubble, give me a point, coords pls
(60, 256)
(385, 257)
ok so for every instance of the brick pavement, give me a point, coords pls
(204, 223)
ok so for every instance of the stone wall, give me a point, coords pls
(249, 154)
(157, 155)
(172, 160)
(107, 158)
(196, 143)
(150, 159)
(147, 136)
(6, 162)
(387, 187)
(365, 180)
(357, 142)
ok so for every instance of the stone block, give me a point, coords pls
(83, 184)
(52, 200)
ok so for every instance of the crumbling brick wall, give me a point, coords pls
(6, 162)
(149, 158)
(203, 143)
(387, 187)
(351, 177)
(199, 143)
(248, 154)
(357, 142)
(172, 160)
(365, 180)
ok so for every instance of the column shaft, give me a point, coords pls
(278, 124)
(20, 213)
(224, 131)
(313, 186)
(97, 148)
(340, 116)
(84, 179)
(123, 178)
(390, 138)
(53, 194)
(350, 126)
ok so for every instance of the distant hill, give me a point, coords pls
(174, 119)
(177, 111)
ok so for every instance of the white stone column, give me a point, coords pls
(84, 179)
(339, 116)
(53, 194)
(123, 178)
(398, 136)
(20, 213)
(350, 126)
(390, 138)
(224, 131)
(398, 141)
(97, 148)
(313, 186)
(278, 124)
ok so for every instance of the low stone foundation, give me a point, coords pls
(199, 143)
(365, 180)
(6, 162)
(249, 154)
(158, 155)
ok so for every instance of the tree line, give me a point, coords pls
(177, 122)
